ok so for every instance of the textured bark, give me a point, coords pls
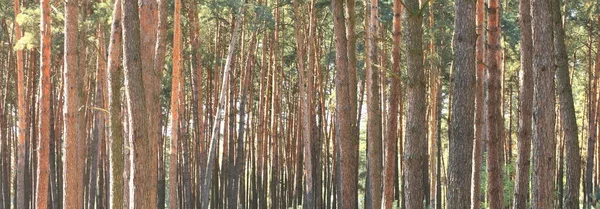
(350, 25)
(43, 169)
(567, 111)
(148, 12)
(391, 134)
(143, 155)
(521, 192)
(479, 117)
(544, 141)
(176, 104)
(463, 106)
(114, 107)
(374, 129)
(346, 161)
(494, 117)
(73, 129)
(415, 143)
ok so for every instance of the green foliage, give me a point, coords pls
(29, 20)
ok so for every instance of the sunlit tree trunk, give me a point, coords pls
(114, 107)
(391, 134)
(176, 87)
(43, 169)
(74, 147)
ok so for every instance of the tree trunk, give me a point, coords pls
(544, 141)
(374, 129)
(391, 135)
(463, 106)
(567, 111)
(73, 126)
(215, 135)
(143, 162)
(521, 192)
(479, 102)
(494, 112)
(43, 169)
(345, 144)
(114, 107)
(176, 87)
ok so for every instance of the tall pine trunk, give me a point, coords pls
(463, 106)
(415, 143)
(43, 169)
(494, 117)
(391, 134)
(143, 195)
(525, 106)
(544, 136)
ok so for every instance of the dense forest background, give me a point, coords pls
(299, 103)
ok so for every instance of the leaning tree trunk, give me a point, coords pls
(219, 112)
(567, 111)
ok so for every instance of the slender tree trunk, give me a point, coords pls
(22, 113)
(592, 103)
(494, 112)
(567, 111)
(176, 87)
(544, 141)
(463, 106)
(479, 102)
(521, 192)
(348, 183)
(219, 112)
(374, 129)
(114, 107)
(73, 126)
(43, 169)
(391, 135)
(159, 62)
